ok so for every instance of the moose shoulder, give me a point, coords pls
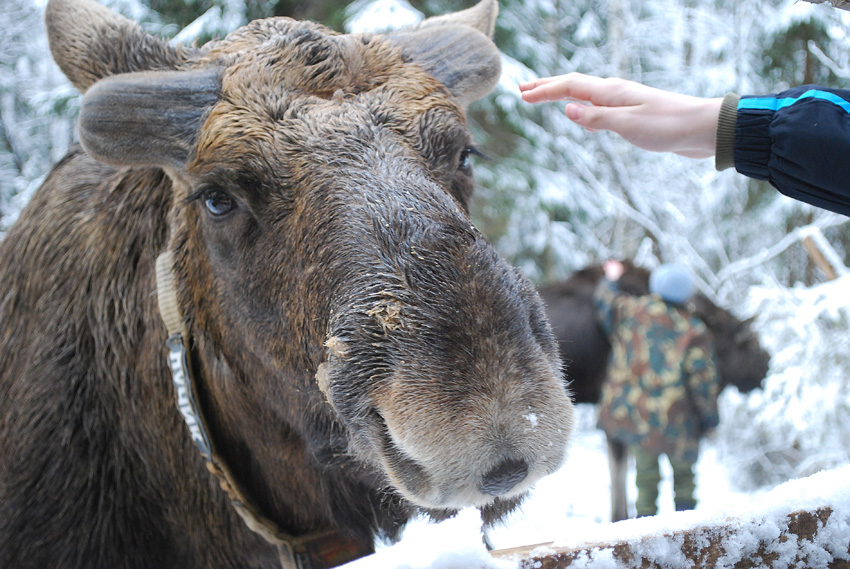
(360, 353)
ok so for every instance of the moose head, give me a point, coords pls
(361, 351)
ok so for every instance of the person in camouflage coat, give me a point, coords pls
(660, 396)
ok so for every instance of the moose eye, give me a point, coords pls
(464, 162)
(218, 202)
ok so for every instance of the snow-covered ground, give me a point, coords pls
(577, 496)
(571, 507)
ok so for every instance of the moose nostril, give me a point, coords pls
(503, 477)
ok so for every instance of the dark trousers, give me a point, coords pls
(648, 476)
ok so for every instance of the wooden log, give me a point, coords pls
(819, 258)
(814, 539)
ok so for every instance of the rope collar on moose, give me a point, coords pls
(313, 551)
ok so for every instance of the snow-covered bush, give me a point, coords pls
(799, 423)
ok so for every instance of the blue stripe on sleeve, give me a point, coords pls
(774, 104)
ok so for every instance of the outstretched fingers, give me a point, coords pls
(543, 89)
(579, 87)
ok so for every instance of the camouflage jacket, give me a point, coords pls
(662, 384)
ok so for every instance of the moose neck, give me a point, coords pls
(311, 551)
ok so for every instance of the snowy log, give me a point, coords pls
(801, 523)
(817, 538)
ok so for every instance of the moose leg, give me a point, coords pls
(618, 464)
(485, 537)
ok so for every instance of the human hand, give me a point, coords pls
(613, 269)
(649, 118)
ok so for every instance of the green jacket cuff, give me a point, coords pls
(724, 155)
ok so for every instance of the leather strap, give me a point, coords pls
(313, 551)
(166, 295)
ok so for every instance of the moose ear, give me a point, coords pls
(89, 42)
(457, 50)
(481, 17)
(149, 118)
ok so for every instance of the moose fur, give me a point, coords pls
(741, 361)
(362, 354)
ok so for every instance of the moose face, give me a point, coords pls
(741, 361)
(326, 264)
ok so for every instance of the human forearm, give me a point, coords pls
(649, 118)
(797, 140)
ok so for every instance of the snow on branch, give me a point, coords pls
(830, 63)
(209, 22)
(843, 4)
(743, 265)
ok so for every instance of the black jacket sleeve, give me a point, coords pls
(798, 140)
